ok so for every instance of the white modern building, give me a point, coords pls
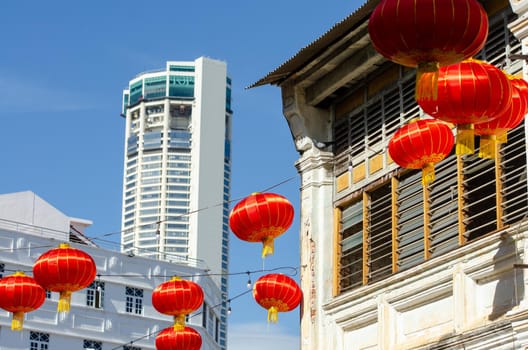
(384, 268)
(115, 312)
(177, 166)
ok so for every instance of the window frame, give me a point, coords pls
(92, 344)
(38, 340)
(134, 300)
(95, 294)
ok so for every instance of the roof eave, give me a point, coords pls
(317, 47)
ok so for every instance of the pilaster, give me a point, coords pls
(387, 324)
(316, 242)
(463, 299)
(309, 127)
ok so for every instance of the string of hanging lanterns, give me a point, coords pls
(439, 38)
(63, 269)
(261, 217)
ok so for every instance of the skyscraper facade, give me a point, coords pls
(177, 165)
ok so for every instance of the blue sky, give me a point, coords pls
(62, 71)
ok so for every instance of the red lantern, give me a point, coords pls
(428, 34)
(186, 339)
(178, 298)
(496, 131)
(469, 93)
(276, 293)
(522, 85)
(420, 144)
(261, 217)
(20, 294)
(64, 270)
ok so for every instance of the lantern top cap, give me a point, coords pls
(19, 273)
(176, 278)
(475, 60)
(64, 245)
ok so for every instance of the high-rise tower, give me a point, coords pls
(177, 166)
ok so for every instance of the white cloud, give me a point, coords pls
(260, 336)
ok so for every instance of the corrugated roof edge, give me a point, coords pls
(311, 50)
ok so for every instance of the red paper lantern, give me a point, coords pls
(469, 93)
(276, 293)
(261, 217)
(420, 145)
(64, 270)
(178, 298)
(20, 294)
(496, 131)
(522, 85)
(428, 34)
(186, 339)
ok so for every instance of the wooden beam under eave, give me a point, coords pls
(460, 201)
(337, 250)
(426, 221)
(498, 187)
(394, 222)
(353, 69)
(365, 256)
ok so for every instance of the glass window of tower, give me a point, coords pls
(155, 87)
(181, 86)
(152, 140)
(136, 92)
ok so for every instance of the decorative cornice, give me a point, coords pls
(313, 159)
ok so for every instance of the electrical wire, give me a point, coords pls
(191, 212)
(100, 238)
(293, 272)
(190, 316)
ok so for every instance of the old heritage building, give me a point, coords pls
(374, 276)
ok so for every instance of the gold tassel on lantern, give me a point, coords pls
(267, 246)
(502, 137)
(429, 89)
(428, 174)
(465, 139)
(64, 301)
(273, 314)
(179, 322)
(18, 321)
(488, 146)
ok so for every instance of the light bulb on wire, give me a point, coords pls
(249, 280)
